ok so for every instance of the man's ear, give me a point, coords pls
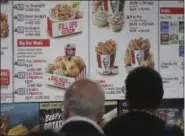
(66, 112)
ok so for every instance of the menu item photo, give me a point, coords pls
(4, 25)
(66, 69)
(106, 54)
(108, 13)
(138, 54)
(64, 19)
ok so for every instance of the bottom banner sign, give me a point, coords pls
(19, 119)
(170, 110)
(51, 115)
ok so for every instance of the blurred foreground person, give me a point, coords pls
(45, 133)
(144, 92)
(83, 108)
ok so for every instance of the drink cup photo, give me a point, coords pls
(105, 63)
(137, 56)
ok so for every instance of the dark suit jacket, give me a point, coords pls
(78, 126)
(139, 124)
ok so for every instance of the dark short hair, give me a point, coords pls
(144, 88)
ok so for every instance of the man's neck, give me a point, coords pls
(88, 117)
(85, 119)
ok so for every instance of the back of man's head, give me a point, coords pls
(84, 98)
(144, 88)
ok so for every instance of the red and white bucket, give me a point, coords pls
(113, 6)
(105, 63)
(137, 56)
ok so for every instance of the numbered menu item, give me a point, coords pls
(15, 121)
(6, 85)
(46, 63)
(138, 54)
(51, 115)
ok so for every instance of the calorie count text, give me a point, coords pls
(144, 23)
(134, 3)
(139, 9)
(32, 22)
(40, 97)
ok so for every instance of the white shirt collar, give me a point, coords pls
(78, 118)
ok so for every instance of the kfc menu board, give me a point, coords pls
(50, 48)
(170, 110)
(171, 35)
(47, 45)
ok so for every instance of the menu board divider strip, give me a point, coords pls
(13, 99)
(89, 37)
(158, 36)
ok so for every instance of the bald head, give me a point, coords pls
(84, 98)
